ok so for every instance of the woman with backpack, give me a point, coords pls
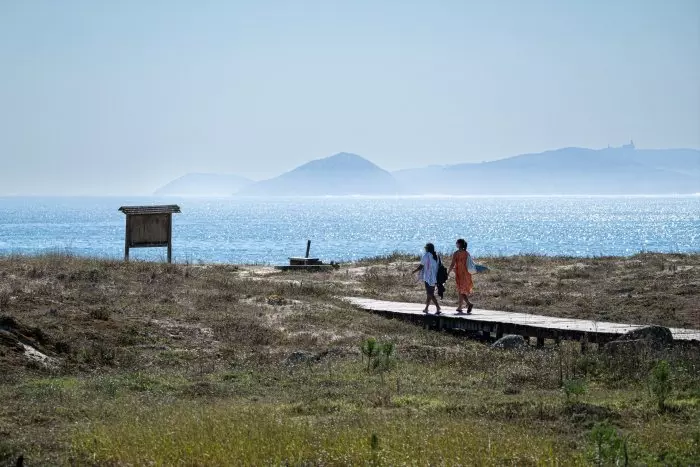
(428, 267)
(463, 278)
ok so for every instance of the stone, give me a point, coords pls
(658, 336)
(511, 341)
(9, 340)
(626, 347)
(298, 357)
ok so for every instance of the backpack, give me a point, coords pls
(441, 272)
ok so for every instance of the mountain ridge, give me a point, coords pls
(341, 174)
(623, 170)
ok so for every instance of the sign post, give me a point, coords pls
(149, 227)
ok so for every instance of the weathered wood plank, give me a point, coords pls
(519, 323)
(170, 238)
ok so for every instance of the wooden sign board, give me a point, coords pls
(149, 226)
(149, 230)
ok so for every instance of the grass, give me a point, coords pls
(259, 435)
(202, 364)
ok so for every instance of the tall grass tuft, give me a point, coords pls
(660, 383)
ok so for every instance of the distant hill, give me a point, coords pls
(204, 184)
(622, 170)
(341, 174)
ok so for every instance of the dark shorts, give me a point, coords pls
(429, 289)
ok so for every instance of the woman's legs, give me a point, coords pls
(437, 305)
(430, 298)
(464, 298)
(470, 305)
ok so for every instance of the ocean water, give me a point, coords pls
(268, 231)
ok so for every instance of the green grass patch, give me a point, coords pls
(48, 388)
(195, 434)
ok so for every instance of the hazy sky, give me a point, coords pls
(118, 97)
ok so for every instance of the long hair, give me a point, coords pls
(462, 244)
(430, 248)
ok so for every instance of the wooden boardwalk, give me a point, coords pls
(503, 322)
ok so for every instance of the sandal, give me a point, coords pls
(469, 308)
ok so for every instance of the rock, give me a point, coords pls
(511, 341)
(298, 357)
(588, 413)
(658, 336)
(626, 347)
(9, 340)
(644, 338)
(276, 300)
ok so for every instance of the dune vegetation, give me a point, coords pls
(106, 362)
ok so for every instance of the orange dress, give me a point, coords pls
(462, 276)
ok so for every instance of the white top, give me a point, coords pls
(430, 269)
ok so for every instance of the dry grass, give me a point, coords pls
(161, 363)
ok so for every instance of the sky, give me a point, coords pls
(119, 97)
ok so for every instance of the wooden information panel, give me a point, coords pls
(149, 226)
(149, 230)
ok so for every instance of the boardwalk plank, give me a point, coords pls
(549, 323)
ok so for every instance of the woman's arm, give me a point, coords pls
(453, 263)
(420, 266)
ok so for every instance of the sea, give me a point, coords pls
(268, 231)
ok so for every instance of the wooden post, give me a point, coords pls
(540, 342)
(308, 248)
(499, 331)
(127, 240)
(170, 238)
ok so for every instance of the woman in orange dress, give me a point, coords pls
(462, 276)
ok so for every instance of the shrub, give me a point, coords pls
(370, 349)
(380, 355)
(609, 448)
(574, 388)
(374, 447)
(385, 360)
(100, 313)
(660, 383)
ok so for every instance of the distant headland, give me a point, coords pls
(623, 170)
